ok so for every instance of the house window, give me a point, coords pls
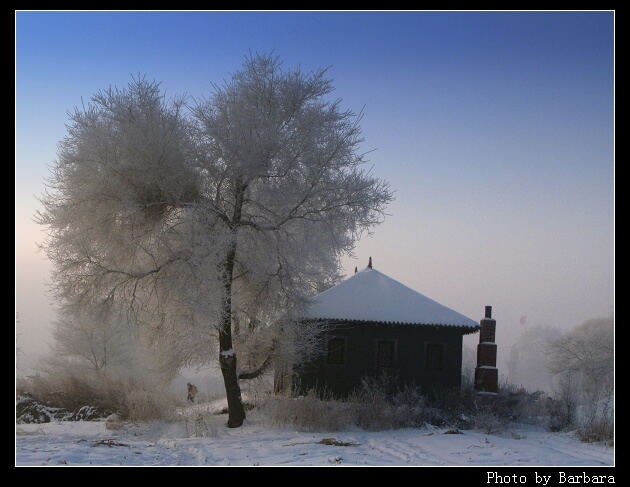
(435, 357)
(385, 354)
(336, 351)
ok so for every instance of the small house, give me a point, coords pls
(378, 325)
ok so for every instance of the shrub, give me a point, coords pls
(599, 430)
(376, 405)
(596, 421)
(380, 404)
(141, 402)
(64, 396)
(314, 411)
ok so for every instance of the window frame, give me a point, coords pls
(340, 350)
(431, 359)
(393, 355)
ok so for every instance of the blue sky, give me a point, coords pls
(495, 129)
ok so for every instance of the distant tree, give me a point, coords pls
(196, 219)
(102, 342)
(528, 358)
(582, 361)
(469, 363)
(587, 352)
(18, 349)
(88, 341)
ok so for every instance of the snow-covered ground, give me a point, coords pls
(200, 439)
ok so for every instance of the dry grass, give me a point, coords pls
(94, 398)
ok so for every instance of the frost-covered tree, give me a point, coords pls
(102, 342)
(201, 218)
(588, 352)
(92, 341)
(583, 362)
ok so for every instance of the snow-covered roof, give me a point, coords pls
(370, 295)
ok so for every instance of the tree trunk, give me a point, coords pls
(227, 356)
(236, 410)
(227, 361)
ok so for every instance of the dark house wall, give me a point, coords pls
(426, 356)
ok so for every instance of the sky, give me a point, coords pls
(494, 129)
(199, 438)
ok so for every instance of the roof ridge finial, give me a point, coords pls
(370, 263)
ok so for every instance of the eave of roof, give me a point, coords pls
(466, 329)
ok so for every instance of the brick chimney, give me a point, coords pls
(486, 372)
